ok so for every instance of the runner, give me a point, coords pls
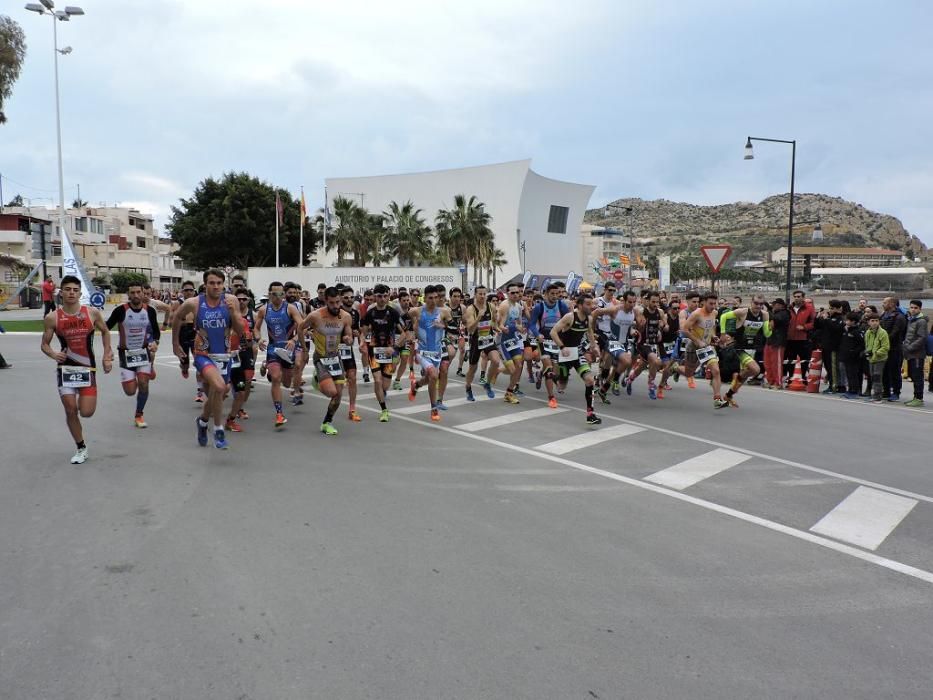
(651, 323)
(687, 348)
(243, 363)
(544, 317)
(160, 306)
(532, 353)
(296, 385)
(430, 321)
(511, 325)
(74, 326)
(281, 320)
(602, 327)
(381, 325)
(700, 327)
(621, 340)
(346, 351)
(670, 351)
(330, 326)
(362, 308)
(187, 334)
(453, 337)
(218, 315)
(748, 326)
(139, 340)
(568, 334)
(405, 341)
(480, 327)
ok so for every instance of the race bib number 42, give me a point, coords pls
(75, 377)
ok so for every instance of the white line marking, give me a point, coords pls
(509, 418)
(696, 469)
(833, 545)
(865, 517)
(806, 482)
(544, 488)
(578, 442)
(424, 408)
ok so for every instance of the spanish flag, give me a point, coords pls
(304, 209)
(624, 259)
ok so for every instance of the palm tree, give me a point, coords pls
(345, 211)
(407, 236)
(496, 262)
(463, 232)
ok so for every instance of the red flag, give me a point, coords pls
(279, 210)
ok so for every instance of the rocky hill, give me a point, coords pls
(753, 230)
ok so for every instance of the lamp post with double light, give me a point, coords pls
(47, 7)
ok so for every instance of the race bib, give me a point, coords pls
(513, 343)
(368, 339)
(383, 356)
(669, 348)
(136, 358)
(550, 347)
(431, 355)
(346, 352)
(485, 341)
(220, 360)
(75, 377)
(332, 365)
(235, 361)
(572, 355)
(706, 354)
(616, 347)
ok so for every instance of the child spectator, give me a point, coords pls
(851, 346)
(877, 347)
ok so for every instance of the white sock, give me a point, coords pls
(218, 427)
(202, 422)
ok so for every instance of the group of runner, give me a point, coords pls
(608, 341)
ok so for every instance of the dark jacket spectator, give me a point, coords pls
(851, 343)
(829, 326)
(895, 324)
(780, 320)
(915, 337)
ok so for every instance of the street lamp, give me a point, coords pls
(631, 235)
(47, 7)
(750, 155)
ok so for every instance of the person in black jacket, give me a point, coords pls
(895, 323)
(829, 326)
(775, 344)
(851, 347)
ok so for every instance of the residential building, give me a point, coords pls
(830, 256)
(598, 243)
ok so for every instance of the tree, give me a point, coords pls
(17, 201)
(407, 236)
(100, 280)
(463, 232)
(78, 204)
(12, 53)
(231, 221)
(496, 262)
(123, 279)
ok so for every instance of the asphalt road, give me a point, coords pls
(780, 550)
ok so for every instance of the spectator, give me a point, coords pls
(776, 344)
(802, 318)
(915, 349)
(895, 324)
(851, 346)
(48, 295)
(3, 363)
(877, 346)
(829, 325)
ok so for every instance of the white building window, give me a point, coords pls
(557, 219)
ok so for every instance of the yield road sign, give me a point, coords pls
(716, 256)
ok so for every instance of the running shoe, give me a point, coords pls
(661, 392)
(489, 391)
(616, 389)
(628, 386)
(262, 370)
(384, 416)
(676, 377)
(441, 406)
(220, 440)
(691, 383)
(233, 426)
(538, 378)
(482, 377)
(184, 371)
(469, 394)
(652, 392)
(413, 390)
(298, 400)
(603, 397)
(396, 385)
(202, 432)
(552, 402)
(732, 403)
(80, 456)
(199, 398)
(435, 416)
(720, 403)
(510, 398)
(366, 378)
(328, 429)
(354, 416)
(518, 391)
(666, 386)
(914, 403)
(460, 372)
(592, 418)
(242, 415)
(280, 420)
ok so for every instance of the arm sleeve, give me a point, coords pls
(154, 324)
(116, 316)
(724, 321)
(534, 320)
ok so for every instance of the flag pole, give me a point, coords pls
(276, 228)
(326, 220)
(301, 229)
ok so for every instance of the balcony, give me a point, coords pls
(13, 237)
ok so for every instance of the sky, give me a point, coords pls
(642, 99)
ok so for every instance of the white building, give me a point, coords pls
(543, 213)
(598, 243)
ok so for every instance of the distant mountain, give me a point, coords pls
(754, 230)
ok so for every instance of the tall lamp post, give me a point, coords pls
(750, 155)
(47, 7)
(631, 235)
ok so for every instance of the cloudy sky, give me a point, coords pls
(649, 99)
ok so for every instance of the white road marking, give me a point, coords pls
(806, 482)
(508, 418)
(884, 562)
(696, 469)
(595, 437)
(865, 518)
(424, 408)
(544, 488)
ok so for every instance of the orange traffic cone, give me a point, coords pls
(816, 372)
(796, 382)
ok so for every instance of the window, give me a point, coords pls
(141, 225)
(56, 250)
(80, 223)
(140, 242)
(557, 219)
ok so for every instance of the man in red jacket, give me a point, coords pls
(48, 295)
(802, 318)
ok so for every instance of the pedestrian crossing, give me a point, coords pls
(866, 518)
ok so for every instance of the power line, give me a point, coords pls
(28, 187)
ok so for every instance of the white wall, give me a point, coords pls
(360, 278)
